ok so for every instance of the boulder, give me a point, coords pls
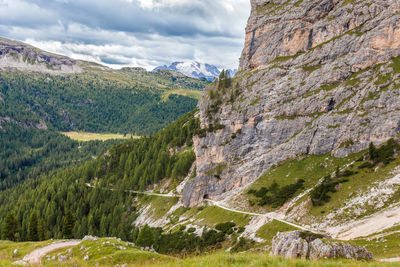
(306, 245)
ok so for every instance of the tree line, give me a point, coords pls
(134, 165)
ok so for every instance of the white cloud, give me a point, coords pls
(118, 33)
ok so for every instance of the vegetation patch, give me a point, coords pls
(85, 137)
(269, 230)
(275, 195)
(217, 170)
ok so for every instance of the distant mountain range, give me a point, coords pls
(195, 69)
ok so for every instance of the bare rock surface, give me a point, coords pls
(21, 56)
(298, 244)
(317, 76)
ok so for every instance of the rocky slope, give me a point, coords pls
(316, 77)
(18, 55)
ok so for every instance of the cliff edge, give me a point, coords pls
(315, 77)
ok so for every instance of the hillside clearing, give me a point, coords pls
(86, 136)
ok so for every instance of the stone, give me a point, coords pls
(306, 245)
(62, 258)
(86, 257)
(15, 252)
(91, 238)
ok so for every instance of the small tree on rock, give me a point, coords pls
(372, 151)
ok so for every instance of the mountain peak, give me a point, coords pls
(194, 69)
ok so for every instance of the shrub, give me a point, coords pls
(226, 228)
(276, 196)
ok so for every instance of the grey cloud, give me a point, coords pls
(121, 32)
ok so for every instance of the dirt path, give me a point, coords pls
(34, 258)
(138, 192)
(271, 215)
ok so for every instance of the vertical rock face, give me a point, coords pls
(317, 76)
(283, 27)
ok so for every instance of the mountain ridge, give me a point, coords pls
(195, 69)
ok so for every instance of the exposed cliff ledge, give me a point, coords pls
(283, 28)
(21, 56)
(335, 91)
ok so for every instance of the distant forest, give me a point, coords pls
(122, 102)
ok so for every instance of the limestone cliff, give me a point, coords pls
(21, 56)
(317, 76)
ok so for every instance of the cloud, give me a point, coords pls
(120, 33)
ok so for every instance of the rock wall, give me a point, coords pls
(17, 55)
(297, 244)
(317, 76)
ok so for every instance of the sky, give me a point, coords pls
(137, 33)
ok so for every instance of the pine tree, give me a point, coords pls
(42, 230)
(33, 228)
(372, 151)
(68, 225)
(145, 237)
(10, 228)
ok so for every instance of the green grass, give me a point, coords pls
(269, 230)
(263, 259)
(189, 93)
(7, 250)
(113, 252)
(159, 206)
(86, 137)
(212, 215)
(357, 183)
(384, 247)
(106, 252)
(311, 168)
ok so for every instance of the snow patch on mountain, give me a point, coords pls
(194, 69)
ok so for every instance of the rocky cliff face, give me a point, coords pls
(317, 76)
(297, 244)
(17, 55)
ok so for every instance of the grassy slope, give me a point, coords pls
(85, 136)
(7, 249)
(106, 252)
(112, 252)
(311, 168)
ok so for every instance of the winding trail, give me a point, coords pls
(34, 258)
(148, 193)
(271, 215)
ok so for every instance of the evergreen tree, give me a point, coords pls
(145, 238)
(33, 234)
(42, 230)
(10, 227)
(372, 151)
(68, 226)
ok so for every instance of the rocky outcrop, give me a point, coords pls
(318, 76)
(298, 244)
(278, 28)
(17, 55)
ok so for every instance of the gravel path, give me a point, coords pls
(34, 258)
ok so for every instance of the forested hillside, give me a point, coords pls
(125, 101)
(99, 210)
(29, 153)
